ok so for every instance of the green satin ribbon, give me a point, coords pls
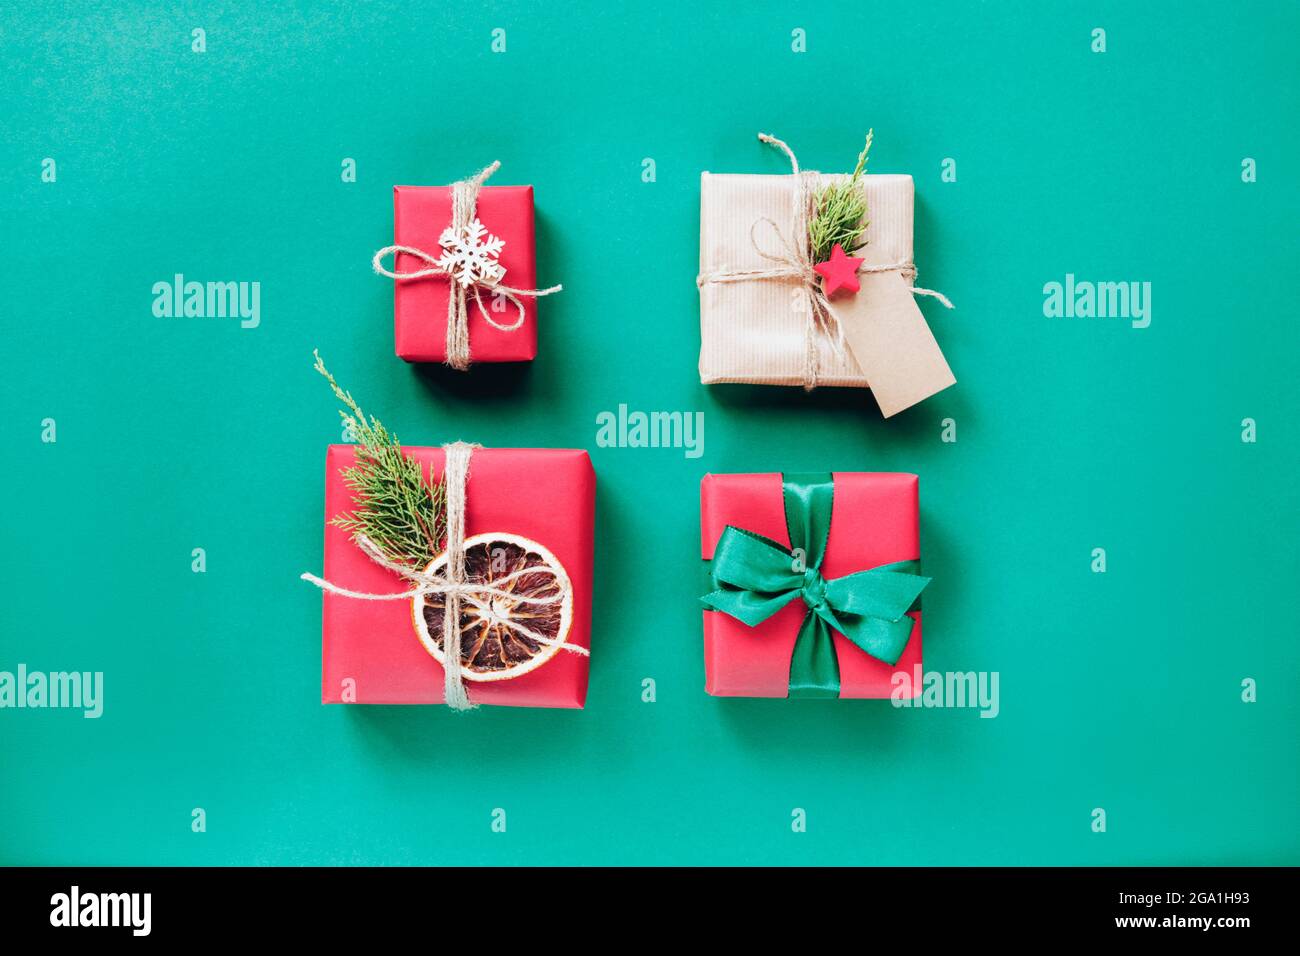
(755, 577)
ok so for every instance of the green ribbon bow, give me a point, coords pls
(755, 577)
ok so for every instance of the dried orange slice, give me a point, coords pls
(490, 649)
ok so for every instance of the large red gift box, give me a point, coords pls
(545, 495)
(874, 521)
(420, 214)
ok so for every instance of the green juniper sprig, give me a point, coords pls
(402, 513)
(841, 213)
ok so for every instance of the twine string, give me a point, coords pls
(464, 204)
(455, 475)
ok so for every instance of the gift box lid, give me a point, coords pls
(544, 495)
(420, 214)
(756, 330)
(874, 520)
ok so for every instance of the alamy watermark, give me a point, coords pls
(624, 429)
(75, 908)
(80, 690)
(1084, 299)
(187, 299)
(946, 689)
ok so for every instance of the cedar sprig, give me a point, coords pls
(841, 212)
(398, 509)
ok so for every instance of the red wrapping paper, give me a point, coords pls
(874, 521)
(547, 495)
(420, 214)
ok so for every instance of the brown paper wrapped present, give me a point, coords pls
(763, 316)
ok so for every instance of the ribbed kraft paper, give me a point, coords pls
(753, 331)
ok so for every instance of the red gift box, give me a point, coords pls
(545, 495)
(874, 521)
(420, 214)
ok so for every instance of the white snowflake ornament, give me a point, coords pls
(470, 255)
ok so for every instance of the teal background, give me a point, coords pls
(1119, 690)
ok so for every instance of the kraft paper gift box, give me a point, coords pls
(420, 214)
(544, 495)
(754, 331)
(873, 523)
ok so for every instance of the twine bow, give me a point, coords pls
(464, 203)
(795, 261)
(453, 585)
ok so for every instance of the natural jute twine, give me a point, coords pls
(453, 584)
(796, 263)
(464, 204)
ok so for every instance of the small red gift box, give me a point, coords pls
(420, 214)
(371, 651)
(874, 521)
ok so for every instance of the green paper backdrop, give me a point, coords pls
(1119, 690)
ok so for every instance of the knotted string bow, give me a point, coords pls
(453, 585)
(794, 261)
(756, 577)
(463, 206)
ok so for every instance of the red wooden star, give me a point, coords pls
(840, 271)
